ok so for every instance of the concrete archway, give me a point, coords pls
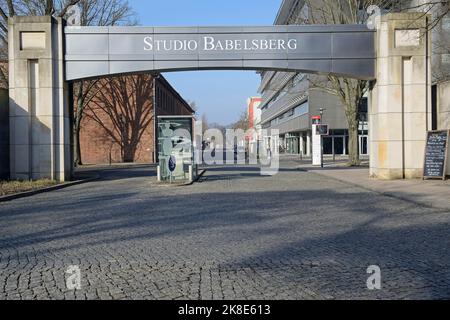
(45, 56)
(346, 50)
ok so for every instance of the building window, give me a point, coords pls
(446, 24)
(302, 109)
(297, 79)
(446, 59)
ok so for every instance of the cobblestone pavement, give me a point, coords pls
(234, 235)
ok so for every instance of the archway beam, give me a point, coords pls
(346, 50)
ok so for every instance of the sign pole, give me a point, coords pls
(446, 156)
(321, 152)
(321, 138)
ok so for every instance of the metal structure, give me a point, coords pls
(346, 50)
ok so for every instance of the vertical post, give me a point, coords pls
(4, 135)
(321, 138)
(308, 144)
(39, 100)
(399, 112)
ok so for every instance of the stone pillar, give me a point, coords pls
(39, 105)
(443, 105)
(4, 134)
(302, 144)
(308, 144)
(400, 102)
(443, 110)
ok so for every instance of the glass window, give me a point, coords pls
(446, 23)
(301, 109)
(297, 79)
(175, 152)
(446, 59)
(327, 145)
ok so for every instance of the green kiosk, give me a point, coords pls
(176, 149)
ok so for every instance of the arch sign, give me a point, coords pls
(347, 50)
(46, 56)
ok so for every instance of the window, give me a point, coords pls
(297, 79)
(302, 109)
(446, 24)
(446, 59)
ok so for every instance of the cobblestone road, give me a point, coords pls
(234, 235)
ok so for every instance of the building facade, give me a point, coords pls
(4, 134)
(254, 122)
(98, 147)
(440, 62)
(290, 100)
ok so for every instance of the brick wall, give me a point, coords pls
(97, 145)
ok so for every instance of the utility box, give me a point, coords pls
(176, 149)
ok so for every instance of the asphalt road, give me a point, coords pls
(233, 235)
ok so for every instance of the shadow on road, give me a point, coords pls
(323, 239)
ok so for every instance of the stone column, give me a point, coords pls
(302, 144)
(443, 105)
(39, 105)
(4, 134)
(400, 102)
(308, 144)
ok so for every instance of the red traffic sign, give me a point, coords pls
(316, 120)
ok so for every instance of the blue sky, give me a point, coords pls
(221, 95)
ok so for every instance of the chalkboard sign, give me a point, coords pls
(436, 155)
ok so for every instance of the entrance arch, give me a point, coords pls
(345, 50)
(45, 57)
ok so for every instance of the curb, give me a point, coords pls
(113, 168)
(386, 194)
(202, 172)
(48, 189)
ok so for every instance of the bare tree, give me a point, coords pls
(349, 91)
(242, 123)
(437, 9)
(124, 109)
(193, 105)
(352, 91)
(205, 124)
(84, 92)
(11, 8)
(96, 13)
(93, 13)
(439, 24)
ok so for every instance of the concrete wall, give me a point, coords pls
(400, 98)
(4, 134)
(334, 115)
(443, 109)
(443, 106)
(39, 107)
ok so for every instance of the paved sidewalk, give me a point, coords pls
(430, 193)
(233, 235)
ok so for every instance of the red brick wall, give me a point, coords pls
(96, 144)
